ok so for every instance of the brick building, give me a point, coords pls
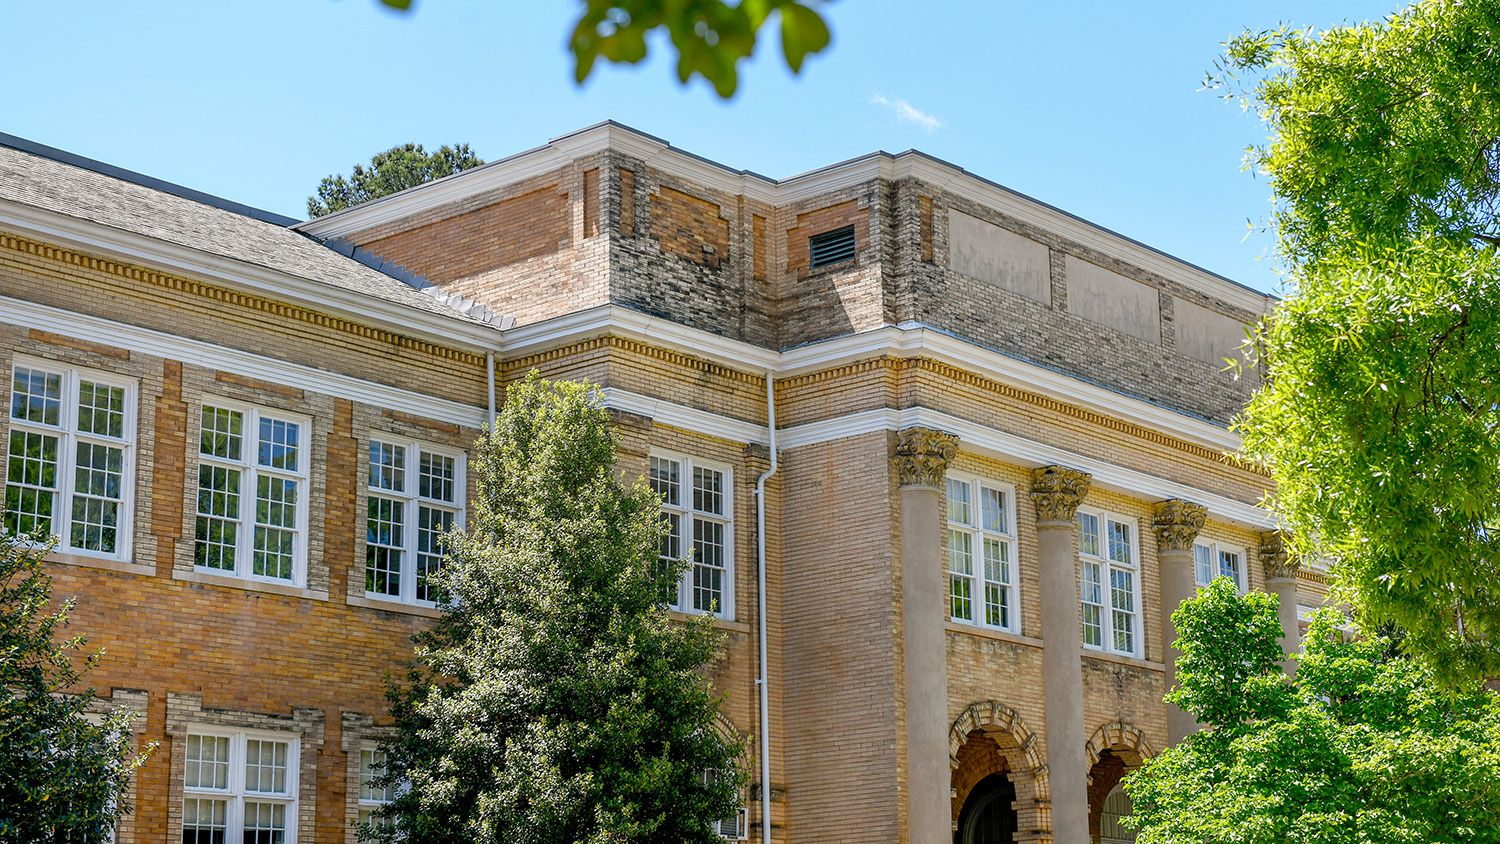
(999, 439)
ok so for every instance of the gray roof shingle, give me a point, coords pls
(77, 191)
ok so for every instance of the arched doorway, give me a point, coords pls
(989, 815)
(1116, 806)
(1113, 750)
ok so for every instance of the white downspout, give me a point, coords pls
(489, 372)
(763, 682)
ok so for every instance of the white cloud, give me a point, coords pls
(908, 113)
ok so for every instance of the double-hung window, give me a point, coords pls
(1109, 582)
(70, 457)
(239, 787)
(982, 553)
(697, 508)
(734, 826)
(252, 493)
(415, 496)
(1212, 560)
(372, 793)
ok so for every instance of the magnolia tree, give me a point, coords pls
(1379, 420)
(555, 701)
(63, 774)
(1360, 747)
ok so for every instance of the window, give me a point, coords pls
(732, 827)
(371, 795)
(252, 493)
(239, 787)
(829, 248)
(70, 457)
(982, 553)
(697, 506)
(1109, 582)
(1211, 560)
(416, 495)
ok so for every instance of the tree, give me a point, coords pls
(1360, 747)
(709, 36)
(555, 700)
(1379, 420)
(396, 169)
(62, 776)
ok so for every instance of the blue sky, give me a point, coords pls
(1094, 107)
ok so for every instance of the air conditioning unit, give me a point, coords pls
(735, 828)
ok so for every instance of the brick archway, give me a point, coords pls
(989, 737)
(1113, 750)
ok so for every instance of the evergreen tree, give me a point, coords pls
(392, 171)
(62, 775)
(555, 701)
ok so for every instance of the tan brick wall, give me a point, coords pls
(689, 227)
(509, 231)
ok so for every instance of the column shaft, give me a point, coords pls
(1177, 524)
(1281, 581)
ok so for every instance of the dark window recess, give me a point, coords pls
(831, 247)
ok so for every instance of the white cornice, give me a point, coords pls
(558, 152)
(106, 241)
(687, 418)
(211, 356)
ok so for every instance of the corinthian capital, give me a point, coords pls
(1057, 491)
(1274, 558)
(922, 456)
(1177, 523)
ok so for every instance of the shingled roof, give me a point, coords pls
(55, 181)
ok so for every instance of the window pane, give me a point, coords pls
(1122, 609)
(217, 533)
(708, 565)
(101, 409)
(432, 525)
(222, 433)
(371, 768)
(265, 823)
(993, 510)
(960, 574)
(664, 481)
(1203, 565)
(275, 523)
(31, 482)
(278, 444)
(387, 467)
(265, 766)
(997, 582)
(384, 540)
(1093, 631)
(36, 396)
(203, 821)
(1088, 534)
(708, 491)
(435, 476)
(1119, 542)
(206, 761)
(97, 480)
(1229, 566)
(958, 502)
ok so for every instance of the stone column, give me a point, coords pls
(1057, 492)
(1281, 581)
(921, 464)
(1177, 523)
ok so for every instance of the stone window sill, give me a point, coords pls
(232, 582)
(85, 561)
(719, 623)
(1136, 662)
(392, 605)
(991, 633)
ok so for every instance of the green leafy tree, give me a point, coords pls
(555, 701)
(62, 775)
(394, 170)
(1379, 420)
(1361, 747)
(709, 36)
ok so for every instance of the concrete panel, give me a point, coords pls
(989, 253)
(1206, 335)
(1110, 299)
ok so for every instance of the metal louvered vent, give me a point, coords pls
(832, 247)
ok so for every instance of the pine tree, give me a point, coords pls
(556, 700)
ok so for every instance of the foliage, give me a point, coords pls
(710, 36)
(62, 776)
(1361, 747)
(394, 170)
(1378, 420)
(556, 700)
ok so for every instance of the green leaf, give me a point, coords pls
(803, 32)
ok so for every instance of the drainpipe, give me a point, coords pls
(489, 371)
(763, 681)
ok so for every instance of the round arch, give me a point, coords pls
(1113, 750)
(1019, 758)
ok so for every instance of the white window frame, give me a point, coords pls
(741, 817)
(365, 804)
(235, 794)
(978, 579)
(250, 472)
(686, 513)
(68, 436)
(1216, 552)
(411, 502)
(1107, 569)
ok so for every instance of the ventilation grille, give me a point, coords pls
(832, 247)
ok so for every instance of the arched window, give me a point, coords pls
(989, 815)
(1116, 806)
